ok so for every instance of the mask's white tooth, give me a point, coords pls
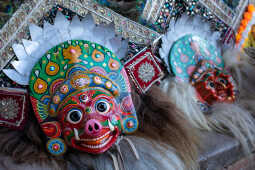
(110, 125)
(76, 134)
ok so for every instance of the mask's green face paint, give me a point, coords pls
(81, 97)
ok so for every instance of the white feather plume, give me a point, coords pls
(43, 39)
(182, 27)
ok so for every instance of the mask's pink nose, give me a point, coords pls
(93, 127)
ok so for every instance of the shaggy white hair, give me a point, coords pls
(233, 118)
(150, 158)
(184, 96)
(225, 118)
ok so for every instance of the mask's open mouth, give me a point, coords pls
(99, 144)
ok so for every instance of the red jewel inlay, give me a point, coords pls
(56, 147)
(130, 124)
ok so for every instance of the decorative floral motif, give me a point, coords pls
(52, 68)
(188, 51)
(72, 53)
(97, 56)
(80, 81)
(64, 89)
(13, 108)
(40, 86)
(113, 64)
(146, 72)
(56, 99)
(9, 108)
(56, 146)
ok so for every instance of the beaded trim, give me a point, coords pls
(33, 11)
(224, 12)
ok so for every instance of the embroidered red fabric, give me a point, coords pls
(144, 70)
(13, 108)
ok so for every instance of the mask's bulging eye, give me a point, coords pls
(223, 81)
(74, 116)
(211, 84)
(102, 107)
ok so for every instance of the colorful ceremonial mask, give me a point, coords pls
(80, 91)
(196, 60)
(214, 85)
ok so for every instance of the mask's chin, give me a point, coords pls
(96, 145)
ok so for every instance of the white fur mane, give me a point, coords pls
(234, 119)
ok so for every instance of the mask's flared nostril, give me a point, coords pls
(96, 127)
(90, 128)
(93, 127)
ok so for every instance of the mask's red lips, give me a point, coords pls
(97, 145)
(222, 94)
